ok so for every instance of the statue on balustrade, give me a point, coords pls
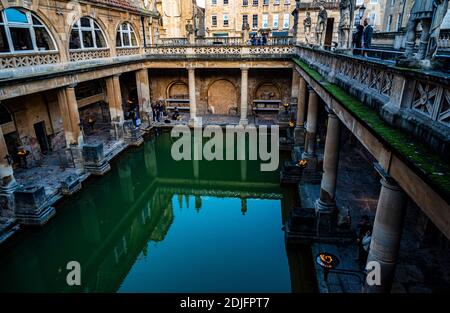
(321, 24)
(190, 32)
(245, 26)
(307, 23)
(346, 9)
(295, 15)
(189, 28)
(430, 14)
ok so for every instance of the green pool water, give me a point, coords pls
(153, 224)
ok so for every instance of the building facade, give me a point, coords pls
(375, 10)
(176, 14)
(226, 17)
(396, 15)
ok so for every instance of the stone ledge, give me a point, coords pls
(425, 163)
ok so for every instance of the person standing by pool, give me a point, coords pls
(357, 40)
(367, 37)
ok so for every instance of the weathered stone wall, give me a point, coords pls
(219, 91)
(32, 109)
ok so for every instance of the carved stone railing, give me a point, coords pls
(396, 40)
(127, 51)
(28, 59)
(211, 41)
(81, 55)
(222, 51)
(172, 42)
(416, 101)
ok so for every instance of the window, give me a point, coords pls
(286, 20)
(265, 21)
(225, 2)
(225, 20)
(214, 20)
(372, 17)
(392, 3)
(389, 23)
(255, 21)
(213, 2)
(265, 2)
(287, 2)
(22, 31)
(86, 34)
(244, 19)
(276, 2)
(255, 3)
(245, 3)
(275, 21)
(399, 22)
(125, 36)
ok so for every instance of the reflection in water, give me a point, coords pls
(148, 226)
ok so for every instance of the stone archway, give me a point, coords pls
(222, 97)
(267, 91)
(178, 90)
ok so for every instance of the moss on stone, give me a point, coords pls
(425, 160)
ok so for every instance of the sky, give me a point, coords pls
(201, 3)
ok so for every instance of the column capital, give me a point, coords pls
(386, 179)
(72, 85)
(310, 89)
(190, 68)
(244, 68)
(331, 113)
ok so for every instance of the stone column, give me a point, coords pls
(74, 115)
(143, 91)
(244, 96)
(192, 96)
(311, 125)
(7, 180)
(295, 83)
(299, 132)
(67, 123)
(114, 98)
(326, 201)
(387, 230)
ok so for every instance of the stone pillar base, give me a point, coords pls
(311, 160)
(132, 134)
(7, 198)
(326, 216)
(195, 122)
(243, 121)
(70, 185)
(324, 207)
(32, 207)
(94, 159)
(98, 169)
(299, 135)
(117, 130)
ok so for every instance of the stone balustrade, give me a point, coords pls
(417, 101)
(28, 59)
(89, 54)
(127, 51)
(223, 51)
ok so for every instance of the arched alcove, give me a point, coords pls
(222, 97)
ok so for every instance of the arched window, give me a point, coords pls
(125, 36)
(86, 34)
(22, 31)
